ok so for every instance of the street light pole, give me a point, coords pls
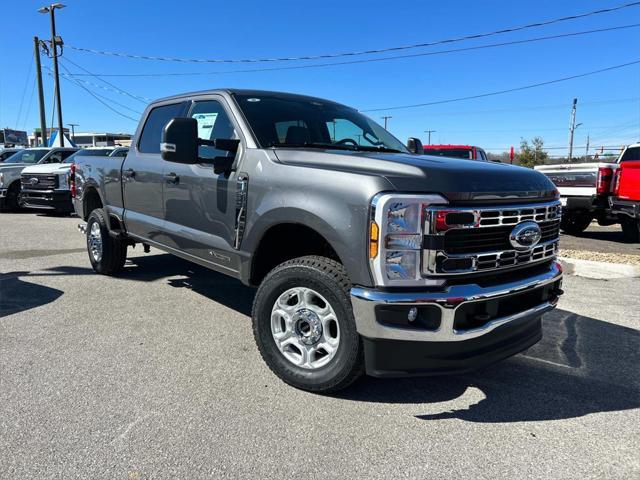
(73, 131)
(429, 132)
(385, 118)
(54, 47)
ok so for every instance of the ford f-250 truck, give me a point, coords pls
(368, 256)
(585, 189)
(625, 200)
(46, 187)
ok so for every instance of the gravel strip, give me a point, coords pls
(623, 258)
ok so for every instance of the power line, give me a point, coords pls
(362, 52)
(117, 89)
(500, 92)
(24, 91)
(26, 113)
(369, 60)
(100, 100)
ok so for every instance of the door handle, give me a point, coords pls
(172, 178)
(129, 173)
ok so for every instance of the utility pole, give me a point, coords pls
(572, 128)
(73, 131)
(429, 132)
(55, 41)
(385, 118)
(43, 118)
(586, 153)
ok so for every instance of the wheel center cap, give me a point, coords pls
(307, 325)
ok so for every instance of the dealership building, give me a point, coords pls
(86, 139)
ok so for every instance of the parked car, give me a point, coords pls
(585, 189)
(11, 168)
(47, 186)
(7, 152)
(368, 256)
(625, 200)
(468, 152)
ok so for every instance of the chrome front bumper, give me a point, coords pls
(448, 301)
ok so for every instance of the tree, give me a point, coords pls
(532, 155)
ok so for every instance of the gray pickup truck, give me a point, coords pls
(368, 255)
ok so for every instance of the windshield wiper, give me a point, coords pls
(366, 148)
(326, 146)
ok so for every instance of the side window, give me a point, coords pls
(213, 123)
(156, 121)
(66, 154)
(481, 155)
(632, 153)
(54, 158)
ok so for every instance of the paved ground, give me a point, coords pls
(155, 375)
(600, 239)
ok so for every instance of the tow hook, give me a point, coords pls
(82, 228)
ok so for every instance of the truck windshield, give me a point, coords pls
(27, 156)
(279, 121)
(89, 152)
(450, 152)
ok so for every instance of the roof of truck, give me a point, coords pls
(241, 91)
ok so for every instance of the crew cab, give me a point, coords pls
(585, 189)
(10, 170)
(468, 152)
(368, 256)
(47, 186)
(625, 201)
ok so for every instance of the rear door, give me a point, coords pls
(142, 175)
(630, 174)
(199, 204)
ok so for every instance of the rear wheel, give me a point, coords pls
(304, 326)
(575, 223)
(106, 253)
(631, 229)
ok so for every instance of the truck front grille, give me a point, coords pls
(38, 181)
(467, 239)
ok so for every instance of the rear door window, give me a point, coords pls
(156, 121)
(631, 154)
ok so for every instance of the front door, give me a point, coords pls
(142, 176)
(199, 204)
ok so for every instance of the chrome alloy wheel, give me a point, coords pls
(95, 242)
(305, 328)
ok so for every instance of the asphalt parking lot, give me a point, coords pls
(154, 374)
(609, 240)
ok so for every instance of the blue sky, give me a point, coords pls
(608, 103)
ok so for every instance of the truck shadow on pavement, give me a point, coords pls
(581, 366)
(215, 286)
(18, 295)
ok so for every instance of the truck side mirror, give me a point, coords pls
(180, 141)
(415, 146)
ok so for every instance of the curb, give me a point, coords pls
(598, 270)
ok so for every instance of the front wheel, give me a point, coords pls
(574, 223)
(631, 229)
(304, 326)
(106, 254)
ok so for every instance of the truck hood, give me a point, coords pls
(457, 179)
(48, 168)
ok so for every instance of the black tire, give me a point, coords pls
(630, 229)
(329, 279)
(12, 201)
(114, 251)
(575, 224)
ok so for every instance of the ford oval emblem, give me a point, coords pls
(525, 235)
(34, 180)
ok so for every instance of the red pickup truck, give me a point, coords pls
(625, 201)
(468, 152)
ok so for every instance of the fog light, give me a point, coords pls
(413, 314)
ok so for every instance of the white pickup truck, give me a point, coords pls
(584, 192)
(47, 186)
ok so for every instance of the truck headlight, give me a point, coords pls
(395, 237)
